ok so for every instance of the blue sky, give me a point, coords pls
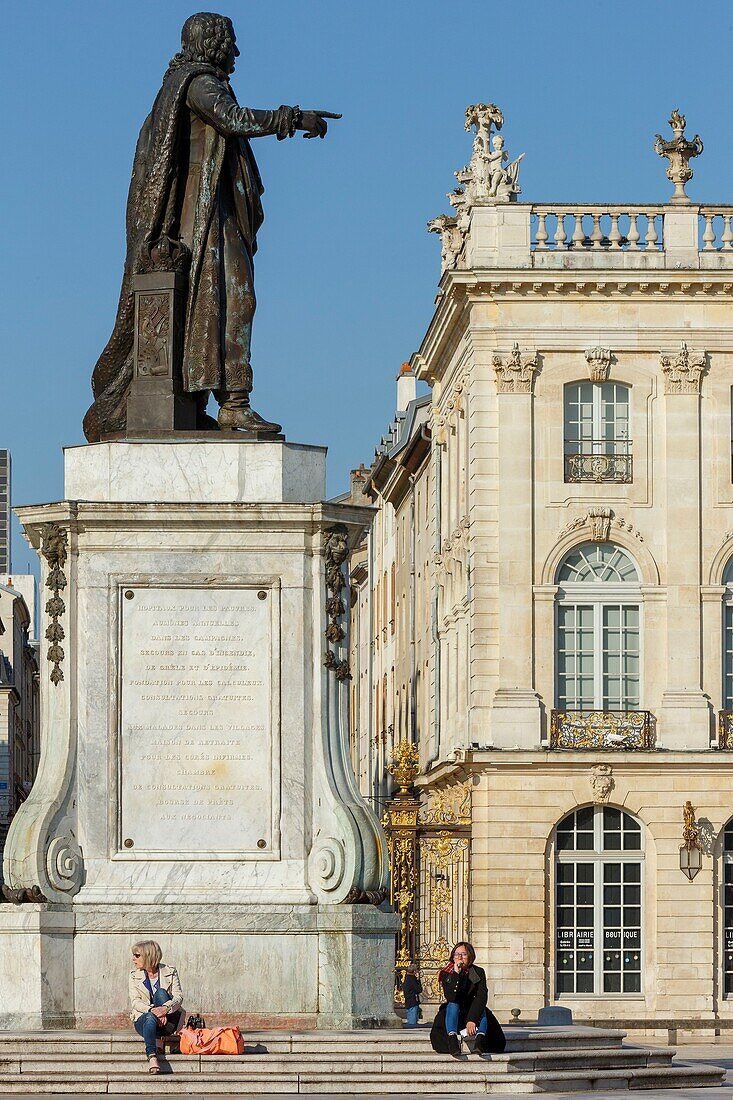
(346, 272)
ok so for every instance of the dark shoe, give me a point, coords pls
(479, 1043)
(243, 418)
(454, 1046)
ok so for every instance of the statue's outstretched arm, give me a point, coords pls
(211, 100)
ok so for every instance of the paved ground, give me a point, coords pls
(717, 1053)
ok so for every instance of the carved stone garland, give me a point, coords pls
(53, 548)
(515, 373)
(600, 521)
(336, 550)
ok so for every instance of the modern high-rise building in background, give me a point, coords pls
(4, 511)
(19, 714)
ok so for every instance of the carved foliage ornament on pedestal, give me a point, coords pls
(683, 371)
(515, 372)
(336, 550)
(53, 547)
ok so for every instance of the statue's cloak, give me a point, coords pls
(153, 212)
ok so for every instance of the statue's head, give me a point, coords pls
(498, 142)
(209, 37)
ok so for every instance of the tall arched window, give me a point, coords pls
(598, 630)
(598, 904)
(728, 909)
(728, 638)
(597, 443)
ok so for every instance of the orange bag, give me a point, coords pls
(207, 1040)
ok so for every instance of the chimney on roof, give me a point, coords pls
(406, 387)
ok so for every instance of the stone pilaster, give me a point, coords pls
(515, 717)
(685, 712)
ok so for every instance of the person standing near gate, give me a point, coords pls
(412, 988)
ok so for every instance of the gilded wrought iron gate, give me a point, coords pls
(430, 847)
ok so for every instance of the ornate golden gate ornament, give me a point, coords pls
(400, 823)
(429, 849)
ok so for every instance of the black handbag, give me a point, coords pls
(195, 1022)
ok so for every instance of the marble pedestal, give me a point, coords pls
(195, 784)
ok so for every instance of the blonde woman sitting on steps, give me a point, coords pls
(156, 999)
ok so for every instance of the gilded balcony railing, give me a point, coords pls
(725, 729)
(627, 730)
(599, 460)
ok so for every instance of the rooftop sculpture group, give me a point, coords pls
(193, 211)
(487, 180)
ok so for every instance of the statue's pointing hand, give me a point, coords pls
(314, 123)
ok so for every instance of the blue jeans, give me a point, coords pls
(452, 1013)
(147, 1025)
(413, 1014)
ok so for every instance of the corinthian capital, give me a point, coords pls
(515, 372)
(683, 371)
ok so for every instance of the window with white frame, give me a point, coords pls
(598, 902)
(728, 638)
(728, 909)
(598, 630)
(597, 443)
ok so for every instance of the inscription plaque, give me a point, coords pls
(196, 691)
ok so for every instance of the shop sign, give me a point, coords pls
(628, 940)
(578, 939)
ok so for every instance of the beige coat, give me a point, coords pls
(140, 998)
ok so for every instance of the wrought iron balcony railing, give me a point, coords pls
(626, 730)
(725, 729)
(599, 460)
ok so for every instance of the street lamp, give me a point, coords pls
(690, 852)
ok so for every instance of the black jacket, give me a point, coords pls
(412, 988)
(470, 991)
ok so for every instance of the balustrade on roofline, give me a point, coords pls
(569, 227)
(564, 228)
(716, 228)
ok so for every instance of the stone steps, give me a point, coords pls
(385, 1062)
(423, 1084)
(381, 1041)
(525, 1062)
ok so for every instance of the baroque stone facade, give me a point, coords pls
(554, 620)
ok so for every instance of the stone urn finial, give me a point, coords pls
(678, 152)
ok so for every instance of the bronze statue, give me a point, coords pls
(194, 209)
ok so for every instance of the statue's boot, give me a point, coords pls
(204, 422)
(237, 414)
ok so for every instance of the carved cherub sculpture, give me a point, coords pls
(503, 182)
